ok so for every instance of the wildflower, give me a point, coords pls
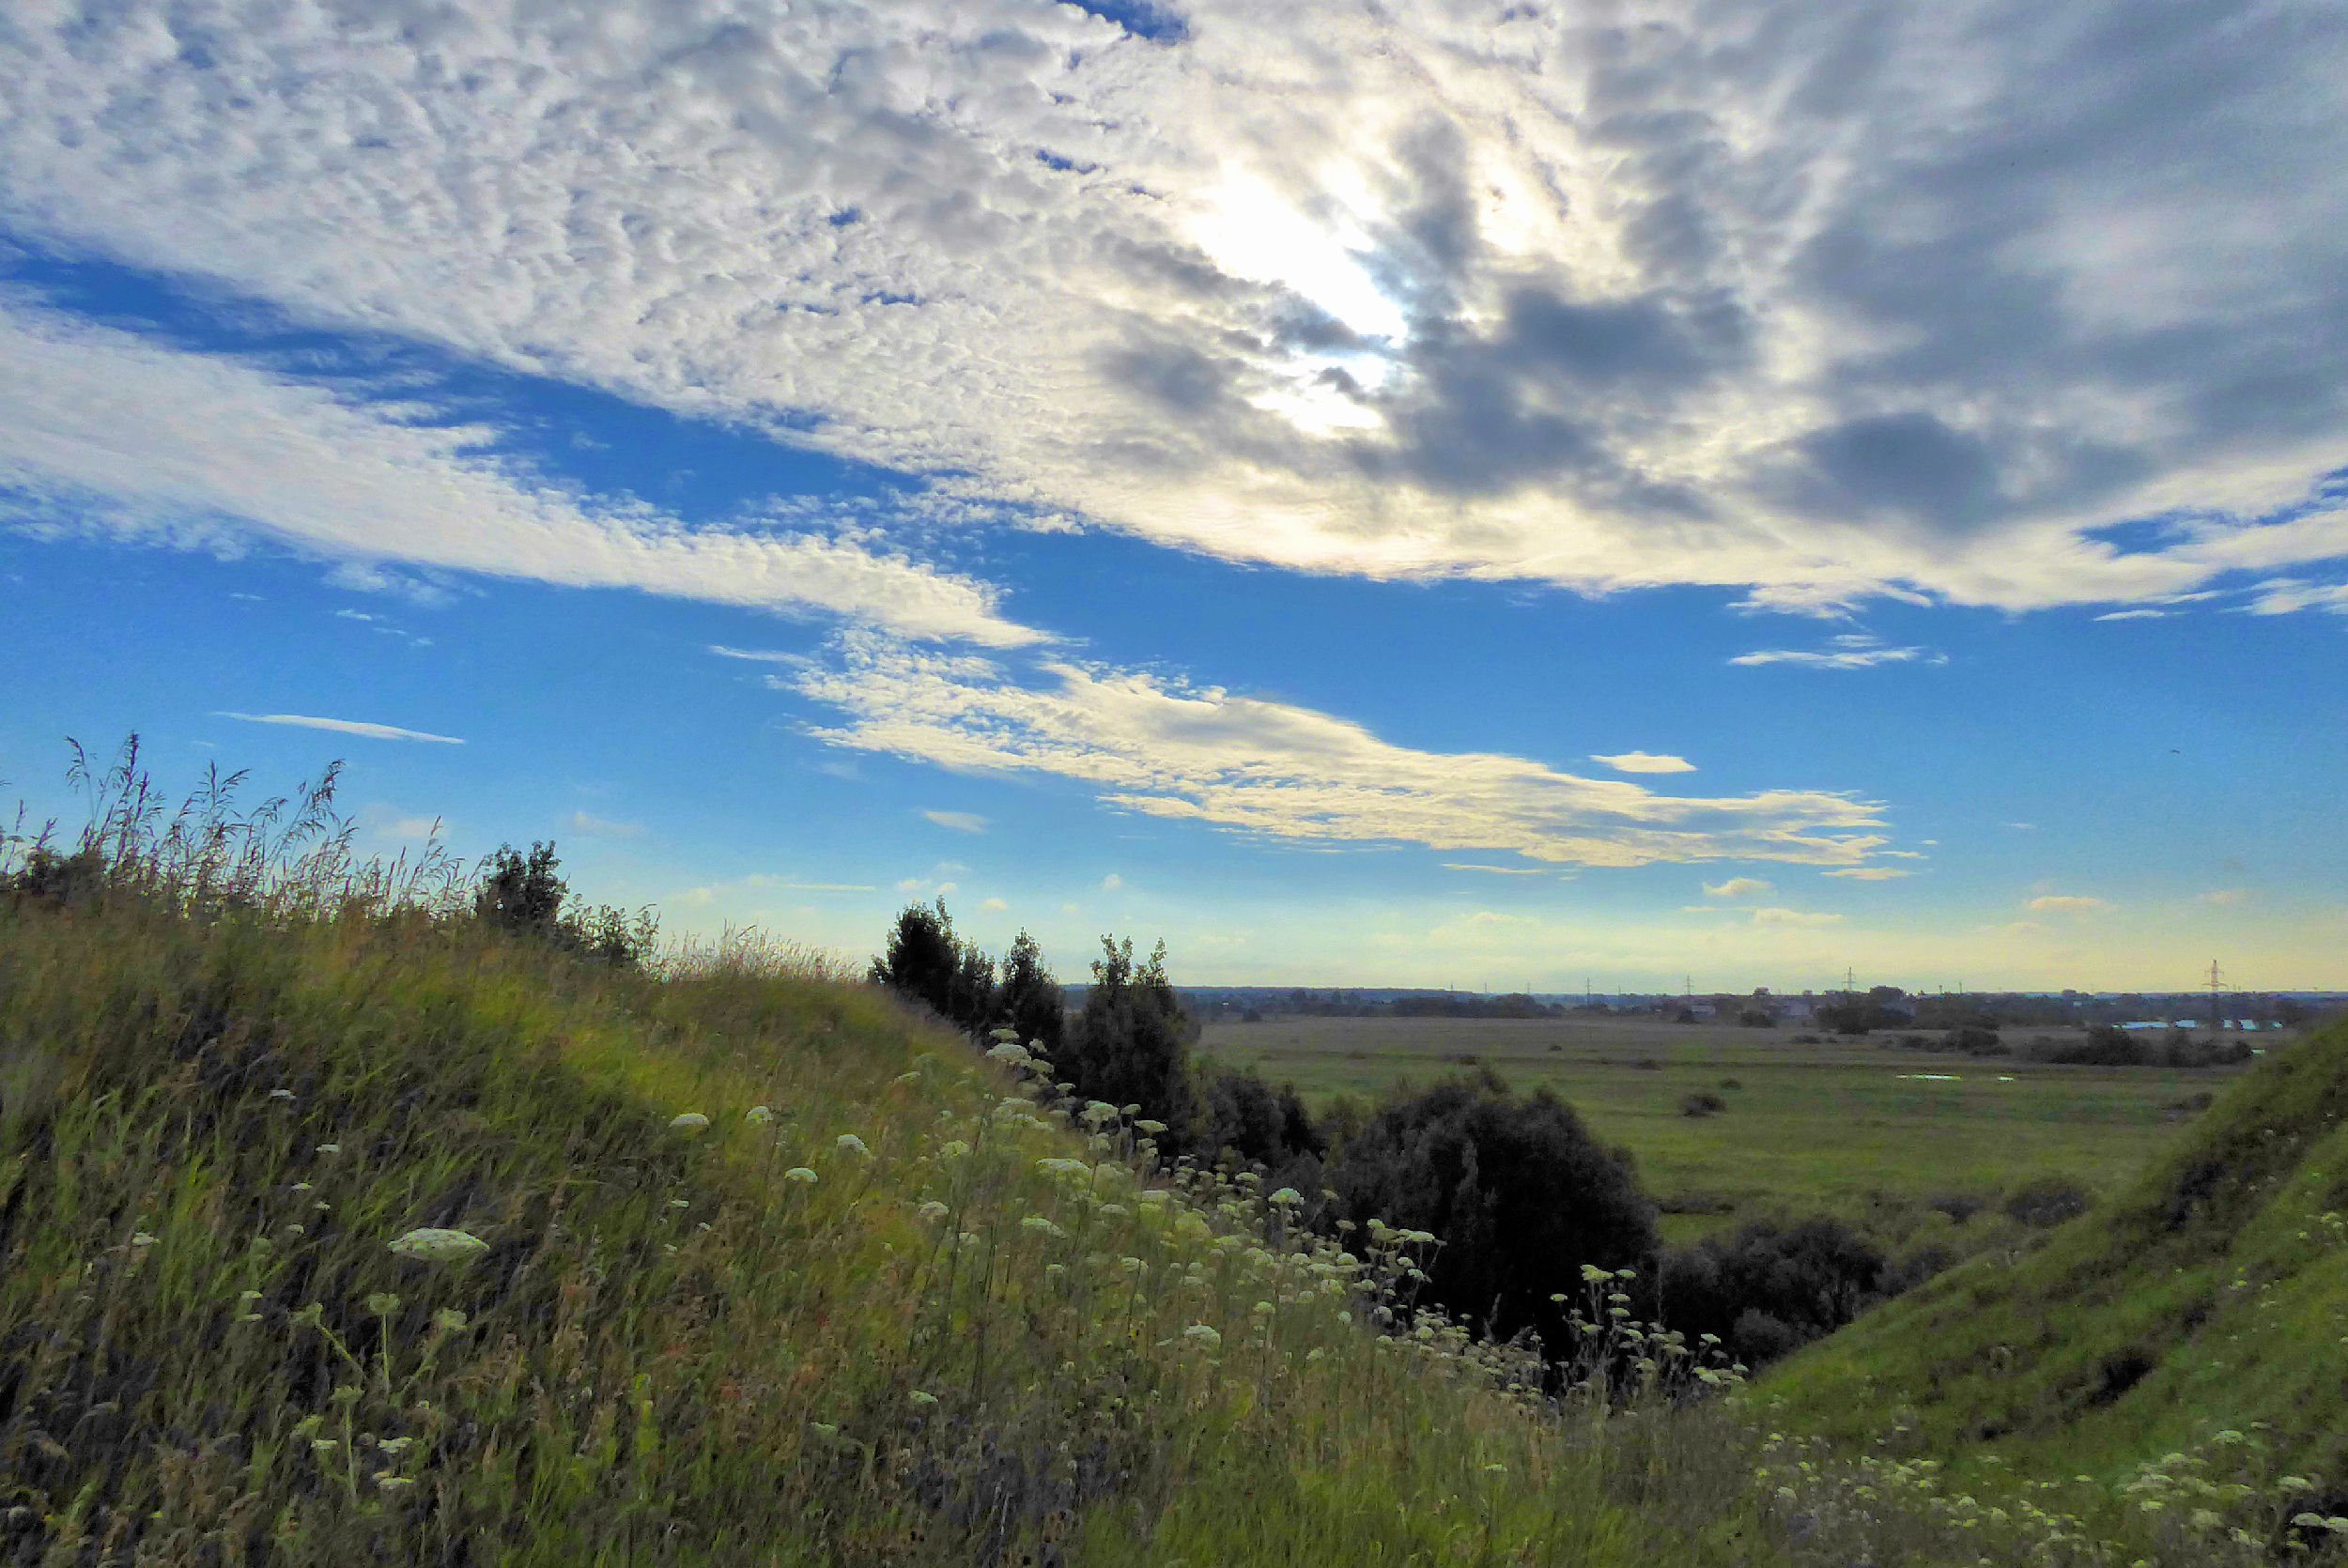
(1203, 1334)
(1151, 1125)
(917, 1397)
(953, 1149)
(913, 1077)
(433, 1244)
(1011, 1054)
(758, 1116)
(324, 1447)
(281, 1094)
(301, 1186)
(448, 1320)
(382, 1304)
(141, 1238)
(1039, 1223)
(932, 1211)
(1063, 1167)
(1004, 1035)
(848, 1143)
(329, 1148)
(689, 1123)
(397, 1446)
(1288, 1195)
(800, 1174)
(1099, 1111)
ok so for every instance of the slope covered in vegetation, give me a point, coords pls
(2203, 1316)
(901, 1314)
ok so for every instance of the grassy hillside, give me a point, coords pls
(882, 1307)
(2196, 1326)
(901, 1315)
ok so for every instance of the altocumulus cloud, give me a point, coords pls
(1819, 302)
(102, 427)
(1281, 772)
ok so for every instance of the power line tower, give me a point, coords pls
(2217, 988)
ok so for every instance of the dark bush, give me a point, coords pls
(1767, 1289)
(524, 895)
(2048, 1201)
(1131, 1043)
(1517, 1188)
(1703, 1103)
(1249, 1120)
(2106, 1045)
(1958, 1206)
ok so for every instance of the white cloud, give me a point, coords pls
(1496, 871)
(961, 821)
(1736, 887)
(1822, 301)
(1853, 650)
(344, 727)
(1112, 882)
(1776, 916)
(602, 827)
(2226, 898)
(1872, 873)
(993, 906)
(99, 428)
(2135, 615)
(1640, 761)
(2066, 903)
(1289, 773)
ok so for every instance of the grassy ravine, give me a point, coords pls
(975, 1336)
(2192, 1333)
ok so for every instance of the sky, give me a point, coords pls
(1514, 495)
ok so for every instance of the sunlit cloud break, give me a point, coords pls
(1282, 771)
(344, 727)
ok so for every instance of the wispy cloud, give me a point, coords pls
(1736, 887)
(960, 822)
(1496, 871)
(1144, 744)
(1872, 873)
(2135, 615)
(1112, 882)
(2066, 903)
(603, 827)
(103, 428)
(2226, 898)
(1778, 916)
(1852, 651)
(2003, 286)
(344, 727)
(1641, 762)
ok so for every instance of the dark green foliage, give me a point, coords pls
(1256, 1123)
(1131, 1044)
(2048, 1201)
(1767, 1289)
(1519, 1190)
(1703, 1103)
(523, 896)
(1030, 1000)
(927, 963)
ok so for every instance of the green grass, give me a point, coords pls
(981, 1336)
(2199, 1325)
(1835, 1128)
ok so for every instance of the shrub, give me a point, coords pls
(2048, 1201)
(1703, 1103)
(1519, 1190)
(1767, 1289)
(524, 895)
(1131, 1043)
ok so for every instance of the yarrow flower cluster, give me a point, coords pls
(433, 1244)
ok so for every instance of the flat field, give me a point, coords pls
(1831, 1128)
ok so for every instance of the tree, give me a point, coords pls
(1131, 1043)
(522, 895)
(1767, 1289)
(1518, 1189)
(927, 963)
(1030, 1000)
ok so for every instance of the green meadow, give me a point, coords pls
(1839, 1126)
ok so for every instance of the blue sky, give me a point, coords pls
(1454, 500)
